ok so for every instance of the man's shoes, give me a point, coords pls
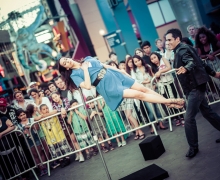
(192, 152)
(217, 140)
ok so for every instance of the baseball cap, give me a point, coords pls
(3, 102)
(32, 83)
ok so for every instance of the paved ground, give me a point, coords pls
(128, 159)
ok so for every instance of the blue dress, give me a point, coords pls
(111, 87)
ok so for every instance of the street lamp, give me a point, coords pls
(102, 33)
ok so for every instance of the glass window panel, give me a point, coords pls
(156, 14)
(167, 11)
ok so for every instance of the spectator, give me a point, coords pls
(146, 47)
(98, 123)
(114, 124)
(169, 54)
(7, 111)
(112, 63)
(33, 85)
(20, 102)
(55, 136)
(77, 118)
(112, 56)
(141, 53)
(52, 87)
(121, 65)
(38, 100)
(9, 150)
(62, 88)
(62, 105)
(25, 126)
(47, 92)
(186, 40)
(207, 45)
(160, 46)
(165, 84)
(144, 75)
(192, 33)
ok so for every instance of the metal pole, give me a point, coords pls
(95, 138)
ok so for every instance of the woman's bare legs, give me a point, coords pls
(138, 91)
(133, 121)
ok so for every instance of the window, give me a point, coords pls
(161, 12)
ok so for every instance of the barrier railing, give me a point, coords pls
(61, 136)
(16, 158)
(169, 86)
(213, 86)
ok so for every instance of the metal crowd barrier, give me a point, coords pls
(16, 158)
(60, 136)
(213, 86)
(169, 86)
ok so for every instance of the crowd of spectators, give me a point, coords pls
(70, 130)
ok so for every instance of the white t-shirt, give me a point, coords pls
(46, 101)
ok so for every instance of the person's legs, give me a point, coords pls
(194, 101)
(207, 112)
(137, 91)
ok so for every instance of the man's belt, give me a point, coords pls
(100, 76)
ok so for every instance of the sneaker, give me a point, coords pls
(123, 143)
(81, 158)
(119, 144)
(54, 165)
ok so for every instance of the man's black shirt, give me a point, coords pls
(10, 114)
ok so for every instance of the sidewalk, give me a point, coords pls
(128, 159)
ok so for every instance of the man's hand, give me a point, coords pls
(181, 70)
(217, 75)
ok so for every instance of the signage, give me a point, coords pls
(113, 39)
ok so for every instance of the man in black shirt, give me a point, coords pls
(146, 47)
(193, 76)
(7, 111)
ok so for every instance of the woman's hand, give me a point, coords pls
(157, 75)
(85, 66)
(211, 57)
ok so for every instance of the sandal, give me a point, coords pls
(110, 147)
(142, 136)
(136, 137)
(104, 149)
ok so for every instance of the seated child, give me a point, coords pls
(98, 124)
(77, 118)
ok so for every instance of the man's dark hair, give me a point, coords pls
(49, 83)
(58, 77)
(111, 53)
(187, 41)
(33, 90)
(175, 33)
(89, 98)
(145, 43)
(121, 62)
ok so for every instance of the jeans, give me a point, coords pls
(197, 101)
(151, 109)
